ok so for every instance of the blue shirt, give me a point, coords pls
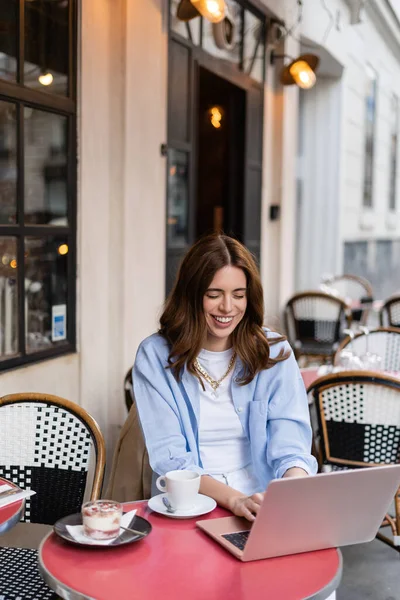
(272, 408)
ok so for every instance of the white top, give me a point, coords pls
(224, 448)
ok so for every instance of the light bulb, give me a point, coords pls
(212, 10)
(46, 78)
(63, 249)
(303, 74)
(215, 116)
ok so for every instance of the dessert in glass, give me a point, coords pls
(101, 519)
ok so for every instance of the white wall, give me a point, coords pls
(356, 46)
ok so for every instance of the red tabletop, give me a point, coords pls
(177, 560)
(309, 375)
(10, 514)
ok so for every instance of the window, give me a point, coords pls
(394, 125)
(37, 180)
(370, 116)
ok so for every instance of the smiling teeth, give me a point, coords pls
(223, 319)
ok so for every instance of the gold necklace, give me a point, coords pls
(213, 382)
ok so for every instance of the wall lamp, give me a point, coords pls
(212, 10)
(300, 71)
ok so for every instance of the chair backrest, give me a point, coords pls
(317, 317)
(384, 341)
(351, 286)
(389, 315)
(47, 445)
(131, 473)
(128, 390)
(358, 415)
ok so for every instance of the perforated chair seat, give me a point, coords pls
(20, 578)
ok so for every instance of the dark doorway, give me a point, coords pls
(220, 156)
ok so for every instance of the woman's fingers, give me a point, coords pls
(258, 498)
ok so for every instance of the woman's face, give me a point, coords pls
(224, 305)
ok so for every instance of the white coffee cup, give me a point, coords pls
(182, 488)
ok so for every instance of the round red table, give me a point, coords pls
(10, 514)
(177, 560)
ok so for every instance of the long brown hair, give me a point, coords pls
(183, 322)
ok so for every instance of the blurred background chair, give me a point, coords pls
(383, 342)
(356, 422)
(128, 390)
(314, 324)
(356, 289)
(50, 445)
(389, 315)
(131, 474)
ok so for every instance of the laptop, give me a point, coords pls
(311, 513)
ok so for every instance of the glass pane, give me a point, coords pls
(45, 167)
(178, 199)
(189, 30)
(8, 163)
(370, 110)
(45, 291)
(394, 126)
(46, 45)
(224, 39)
(8, 39)
(8, 297)
(253, 47)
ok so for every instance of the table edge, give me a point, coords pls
(4, 527)
(326, 591)
(63, 590)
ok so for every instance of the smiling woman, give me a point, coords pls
(216, 392)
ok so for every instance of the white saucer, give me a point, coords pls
(204, 505)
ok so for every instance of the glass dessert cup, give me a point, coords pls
(101, 519)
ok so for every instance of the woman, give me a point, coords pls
(217, 393)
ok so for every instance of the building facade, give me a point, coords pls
(316, 195)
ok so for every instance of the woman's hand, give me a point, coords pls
(246, 506)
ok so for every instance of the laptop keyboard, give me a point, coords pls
(238, 539)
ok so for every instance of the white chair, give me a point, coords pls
(384, 341)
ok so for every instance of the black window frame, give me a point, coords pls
(22, 96)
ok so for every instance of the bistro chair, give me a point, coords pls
(314, 324)
(46, 444)
(358, 290)
(389, 315)
(384, 341)
(356, 422)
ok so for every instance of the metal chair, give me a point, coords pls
(46, 444)
(389, 315)
(384, 341)
(314, 324)
(356, 288)
(356, 421)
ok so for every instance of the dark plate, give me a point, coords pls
(126, 537)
